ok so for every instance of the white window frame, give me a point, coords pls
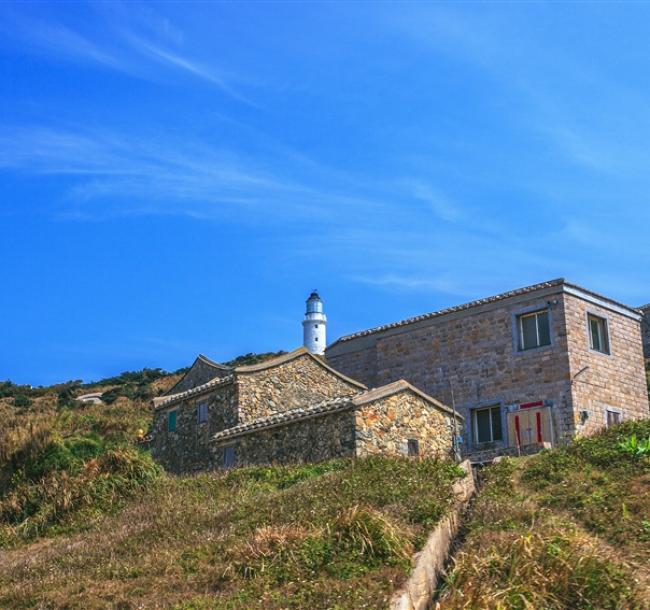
(603, 327)
(520, 329)
(616, 410)
(475, 424)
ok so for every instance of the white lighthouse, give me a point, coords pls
(314, 325)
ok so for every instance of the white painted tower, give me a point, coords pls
(314, 325)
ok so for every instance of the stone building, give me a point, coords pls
(531, 366)
(289, 409)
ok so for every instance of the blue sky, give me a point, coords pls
(176, 178)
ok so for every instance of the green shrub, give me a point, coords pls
(22, 401)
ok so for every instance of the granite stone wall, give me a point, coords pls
(473, 354)
(187, 449)
(381, 427)
(614, 380)
(297, 383)
(320, 438)
(385, 426)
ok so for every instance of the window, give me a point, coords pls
(202, 412)
(487, 425)
(413, 446)
(171, 421)
(598, 335)
(613, 416)
(229, 456)
(534, 330)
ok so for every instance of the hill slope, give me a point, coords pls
(333, 535)
(566, 529)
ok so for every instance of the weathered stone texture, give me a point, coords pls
(616, 379)
(381, 426)
(474, 352)
(187, 448)
(296, 383)
(320, 438)
(384, 427)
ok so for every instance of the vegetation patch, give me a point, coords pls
(334, 535)
(562, 530)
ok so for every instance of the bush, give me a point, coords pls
(22, 401)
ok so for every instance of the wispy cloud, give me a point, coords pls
(441, 204)
(128, 49)
(115, 174)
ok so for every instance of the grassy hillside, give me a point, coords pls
(334, 535)
(87, 520)
(566, 529)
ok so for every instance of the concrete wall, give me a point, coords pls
(297, 383)
(187, 448)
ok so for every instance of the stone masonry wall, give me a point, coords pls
(298, 383)
(474, 352)
(616, 379)
(320, 438)
(384, 427)
(187, 449)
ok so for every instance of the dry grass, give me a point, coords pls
(561, 531)
(334, 535)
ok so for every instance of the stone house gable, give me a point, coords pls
(202, 370)
(380, 421)
(185, 422)
(287, 382)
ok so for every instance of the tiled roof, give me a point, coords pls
(329, 406)
(164, 401)
(465, 306)
(254, 368)
(292, 415)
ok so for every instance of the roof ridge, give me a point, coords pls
(271, 362)
(290, 415)
(477, 302)
(452, 309)
(172, 398)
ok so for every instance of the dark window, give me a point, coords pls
(534, 330)
(229, 456)
(171, 421)
(413, 446)
(202, 412)
(613, 417)
(487, 425)
(598, 335)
